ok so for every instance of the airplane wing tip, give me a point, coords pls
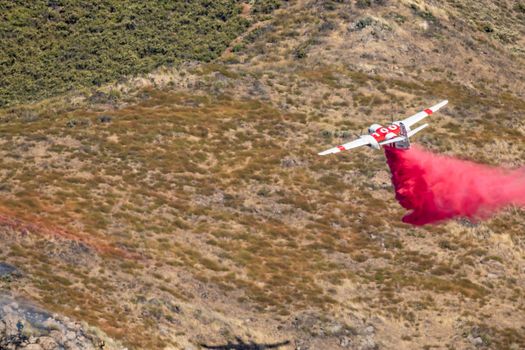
(324, 153)
(438, 106)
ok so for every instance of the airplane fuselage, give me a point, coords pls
(381, 133)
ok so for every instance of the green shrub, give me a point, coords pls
(265, 6)
(363, 3)
(51, 47)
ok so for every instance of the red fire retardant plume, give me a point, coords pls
(436, 187)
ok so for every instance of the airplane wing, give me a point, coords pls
(421, 115)
(394, 140)
(363, 141)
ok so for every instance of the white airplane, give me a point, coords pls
(395, 135)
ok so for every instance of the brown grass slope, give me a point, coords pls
(189, 206)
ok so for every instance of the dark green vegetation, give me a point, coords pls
(265, 6)
(51, 47)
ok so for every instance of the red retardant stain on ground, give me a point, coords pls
(436, 187)
(35, 226)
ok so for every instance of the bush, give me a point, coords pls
(363, 3)
(51, 47)
(369, 3)
(520, 7)
(265, 6)
(363, 23)
(487, 28)
(300, 52)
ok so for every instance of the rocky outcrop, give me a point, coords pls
(24, 326)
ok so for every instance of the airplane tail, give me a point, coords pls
(405, 143)
(403, 140)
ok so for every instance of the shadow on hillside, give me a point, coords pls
(241, 345)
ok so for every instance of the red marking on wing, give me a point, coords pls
(341, 148)
(428, 111)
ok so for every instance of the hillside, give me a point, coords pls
(187, 208)
(53, 47)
